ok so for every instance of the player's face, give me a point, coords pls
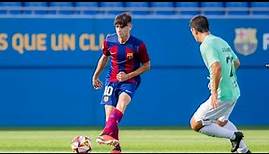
(123, 32)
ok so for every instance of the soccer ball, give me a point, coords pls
(81, 144)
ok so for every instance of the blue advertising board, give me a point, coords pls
(46, 67)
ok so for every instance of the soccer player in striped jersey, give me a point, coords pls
(129, 59)
(211, 118)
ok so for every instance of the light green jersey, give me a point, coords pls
(214, 49)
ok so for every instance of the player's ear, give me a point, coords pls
(130, 26)
(196, 32)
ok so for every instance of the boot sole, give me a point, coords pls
(100, 140)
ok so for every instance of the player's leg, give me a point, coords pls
(241, 147)
(108, 109)
(115, 115)
(126, 93)
(109, 99)
(204, 119)
(225, 123)
(123, 99)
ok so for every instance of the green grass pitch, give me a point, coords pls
(157, 140)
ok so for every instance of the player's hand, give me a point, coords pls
(122, 76)
(97, 84)
(214, 101)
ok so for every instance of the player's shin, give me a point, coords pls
(212, 129)
(111, 127)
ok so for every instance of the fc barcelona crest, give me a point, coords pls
(245, 41)
(130, 55)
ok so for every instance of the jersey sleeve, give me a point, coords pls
(142, 53)
(105, 48)
(210, 55)
(234, 55)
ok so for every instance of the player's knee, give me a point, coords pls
(124, 98)
(121, 107)
(222, 123)
(123, 102)
(195, 125)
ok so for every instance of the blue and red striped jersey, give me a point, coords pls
(125, 57)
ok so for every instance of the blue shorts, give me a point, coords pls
(114, 89)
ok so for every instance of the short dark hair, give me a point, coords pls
(123, 19)
(199, 23)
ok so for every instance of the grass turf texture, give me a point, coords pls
(157, 140)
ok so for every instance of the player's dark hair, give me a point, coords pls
(199, 23)
(123, 19)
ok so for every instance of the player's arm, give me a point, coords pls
(123, 77)
(144, 58)
(145, 67)
(236, 64)
(211, 57)
(100, 66)
(215, 78)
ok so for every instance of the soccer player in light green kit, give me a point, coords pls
(212, 117)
